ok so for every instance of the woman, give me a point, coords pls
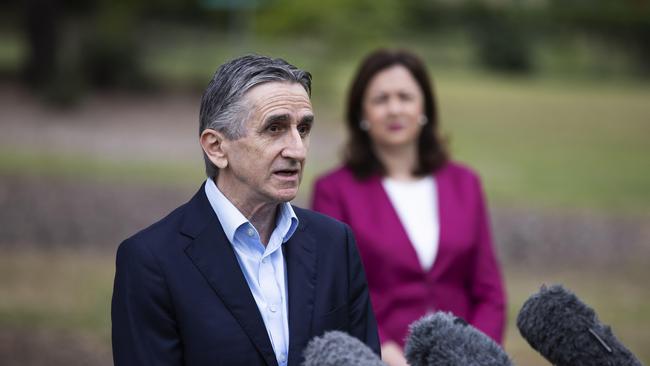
(419, 219)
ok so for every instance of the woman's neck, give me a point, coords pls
(399, 162)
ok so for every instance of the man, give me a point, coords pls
(237, 276)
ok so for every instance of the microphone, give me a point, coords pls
(444, 339)
(336, 348)
(567, 332)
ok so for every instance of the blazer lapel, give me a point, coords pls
(393, 231)
(214, 257)
(443, 192)
(300, 256)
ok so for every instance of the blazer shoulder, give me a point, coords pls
(157, 234)
(317, 221)
(459, 169)
(459, 173)
(330, 238)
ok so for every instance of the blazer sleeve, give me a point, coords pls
(362, 322)
(144, 328)
(487, 287)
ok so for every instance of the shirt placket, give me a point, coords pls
(273, 312)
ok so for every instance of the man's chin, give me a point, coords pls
(286, 195)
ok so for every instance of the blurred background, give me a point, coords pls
(549, 100)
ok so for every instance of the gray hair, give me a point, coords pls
(223, 107)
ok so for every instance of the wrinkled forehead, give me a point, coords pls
(278, 95)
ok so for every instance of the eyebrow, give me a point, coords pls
(284, 117)
(276, 118)
(309, 119)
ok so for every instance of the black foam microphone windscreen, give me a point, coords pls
(443, 339)
(335, 348)
(568, 333)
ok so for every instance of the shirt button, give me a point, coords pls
(250, 232)
(273, 308)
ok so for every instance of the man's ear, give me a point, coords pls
(212, 142)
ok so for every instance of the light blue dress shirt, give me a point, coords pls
(263, 267)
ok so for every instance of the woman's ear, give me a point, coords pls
(212, 142)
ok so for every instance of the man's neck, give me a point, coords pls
(263, 219)
(262, 215)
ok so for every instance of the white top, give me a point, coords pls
(416, 204)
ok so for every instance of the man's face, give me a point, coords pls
(266, 164)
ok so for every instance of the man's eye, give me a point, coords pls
(274, 128)
(303, 130)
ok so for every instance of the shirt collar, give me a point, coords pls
(231, 218)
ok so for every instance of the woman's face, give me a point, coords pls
(393, 105)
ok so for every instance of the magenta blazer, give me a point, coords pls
(465, 277)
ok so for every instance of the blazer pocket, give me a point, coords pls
(336, 319)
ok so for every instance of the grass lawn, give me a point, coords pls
(67, 291)
(553, 144)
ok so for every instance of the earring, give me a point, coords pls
(423, 120)
(364, 125)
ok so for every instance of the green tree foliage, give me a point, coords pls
(109, 54)
(624, 23)
(501, 37)
(334, 20)
(75, 44)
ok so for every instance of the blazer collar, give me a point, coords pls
(213, 256)
(300, 256)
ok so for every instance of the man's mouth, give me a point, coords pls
(286, 172)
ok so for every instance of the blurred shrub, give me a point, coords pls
(621, 23)
(340, 22)
(41, 24)
(100, 51)
(106, 49)
(111, 62)
(66, 87)
(501, 37)
(109, 54)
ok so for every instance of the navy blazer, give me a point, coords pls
(180, 297)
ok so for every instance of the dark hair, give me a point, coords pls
(359, 155)
(223, 107)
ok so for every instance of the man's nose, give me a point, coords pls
(296, 146)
